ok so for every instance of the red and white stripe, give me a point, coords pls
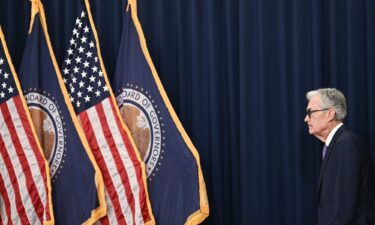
(23, 183)
(122, 172)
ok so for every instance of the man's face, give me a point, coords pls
(318, 120)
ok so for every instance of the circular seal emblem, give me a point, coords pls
(140, 115)
(49, 128)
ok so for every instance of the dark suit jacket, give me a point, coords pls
(346, 187)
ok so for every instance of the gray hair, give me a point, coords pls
(331, 98)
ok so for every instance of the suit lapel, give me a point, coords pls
(327, 156)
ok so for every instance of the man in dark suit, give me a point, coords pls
(346, 187)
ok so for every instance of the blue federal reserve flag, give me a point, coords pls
(175, 181)
(77, 184)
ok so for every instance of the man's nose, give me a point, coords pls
(306, 118)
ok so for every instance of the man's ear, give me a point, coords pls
(331, 114)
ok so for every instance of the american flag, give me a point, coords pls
(93, 101)
(25, 192)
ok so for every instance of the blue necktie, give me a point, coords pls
(324, 150)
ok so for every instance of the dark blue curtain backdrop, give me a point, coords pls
(237, 72)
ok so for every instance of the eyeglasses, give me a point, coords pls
(309, 111)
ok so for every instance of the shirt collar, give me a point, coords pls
(330, 136)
